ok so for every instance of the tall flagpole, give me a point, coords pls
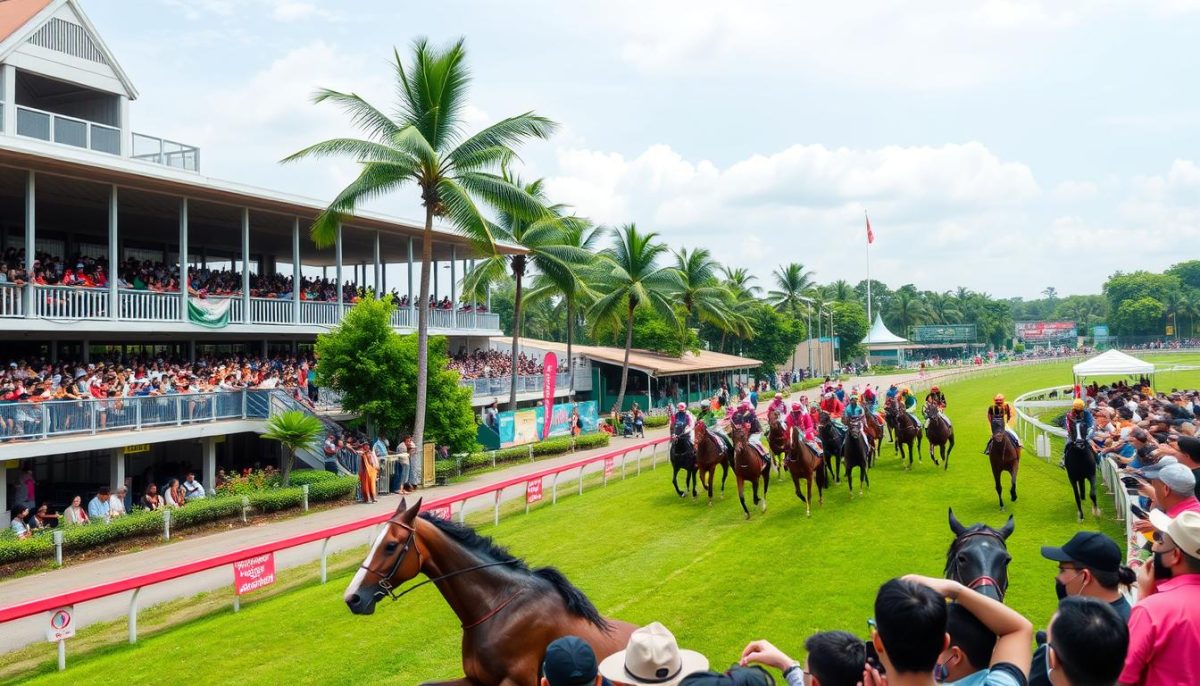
(870, 321)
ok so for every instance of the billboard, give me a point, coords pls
(527, 426)
(944, 333)
(1046, 332)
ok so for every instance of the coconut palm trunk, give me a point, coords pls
(518, 270)
(423, 339)
(625, 364)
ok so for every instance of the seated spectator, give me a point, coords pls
(651, 658)
(173, 497)
(570, 661)
(1164, 625)
(835, 658)
(75, 514)
(1086, 643)
(43, 518)
(98, 507)
(116, 504)
(151, 500)
(18, 524)
(220, 479)
(192, 490)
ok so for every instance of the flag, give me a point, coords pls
(870, 233)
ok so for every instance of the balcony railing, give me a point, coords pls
(165, 152)
(525, 384)
(59, 128)
(79, 303)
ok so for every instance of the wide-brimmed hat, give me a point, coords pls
(652, 658)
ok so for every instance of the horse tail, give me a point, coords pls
(577, 603)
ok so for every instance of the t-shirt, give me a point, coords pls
(1196, 473)
(1001, 674)
(1037, 671)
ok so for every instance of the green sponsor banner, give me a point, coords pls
(213, 314)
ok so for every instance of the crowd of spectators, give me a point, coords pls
(495, 364)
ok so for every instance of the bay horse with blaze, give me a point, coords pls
(1005, 456)
(749, 465)
(711, 451)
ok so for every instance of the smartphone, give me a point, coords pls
(873, 658)
(1138, 512)
(1131, 481)
(1133, 491)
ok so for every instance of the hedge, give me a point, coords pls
(194, 513)
(556, 445)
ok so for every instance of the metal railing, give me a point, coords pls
(11, 302)
(165, 152)
(70, 302)
(59, 128)
(148, 305)
(271, 311)
(503, 384)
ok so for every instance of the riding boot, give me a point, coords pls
(988, 449)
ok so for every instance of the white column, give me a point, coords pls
(246, 264)
(114, 257)
(338, 250)
(30, 238)
(378, 269)
(475, 302)
(296, 277)
(453, 286)
(126, 130)
(4, 512)
(116, 468)
(411, 308)
(184, 250)
(8, 74)
(208, 477)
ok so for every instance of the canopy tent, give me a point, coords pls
(1112, 363)
(881, 335)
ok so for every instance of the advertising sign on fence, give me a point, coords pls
(525, 428)
(608, 466)
(548, 379)
(1045, 332)
(533, 491)
(253, 573)
(62, 624)
(560, 422)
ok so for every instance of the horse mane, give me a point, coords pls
(576, 601)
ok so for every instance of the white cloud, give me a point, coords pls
(1075, 190)
(297, 10)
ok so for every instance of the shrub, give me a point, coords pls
(206, 510)
(276, 499)
(334, 488)
(311, 476)
(556, 445)
(655, 421)
(244, 485)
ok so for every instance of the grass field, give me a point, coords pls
(642, 554)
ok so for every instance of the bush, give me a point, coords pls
(205, 510)
(311, 476)
(276, 499)
(655, 421)
(244, 485)
(334, 488)
(556, 445)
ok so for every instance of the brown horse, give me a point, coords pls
(777, 438)
(710, 452)
(939, 432)
(874, 432)
(802, 463)
(1005, 456)
(509, 612)
(748, 465)
(889, 418)
(908, 430)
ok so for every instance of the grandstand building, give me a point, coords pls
(82, 190)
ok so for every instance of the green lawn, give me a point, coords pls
(642, 554)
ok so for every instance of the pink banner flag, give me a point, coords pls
(549, 376)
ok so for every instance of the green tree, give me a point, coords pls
(1122, 287)
(775, 339)
(850, 324)
(841, 291)
(1139, 317)
(376, 371)
(629, 276)
(1187, 272)
(653, 332)
(943, 308)
(906, 310)
(422, 144)
(295, 430)
(701, 296)
(793, 289)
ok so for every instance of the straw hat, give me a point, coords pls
(652, 658)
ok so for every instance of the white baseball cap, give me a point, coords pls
(1184, 530)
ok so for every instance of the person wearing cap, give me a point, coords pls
(652, 658)
(1173, 488)
(908, 400)
(570, 661)
(683, 422)
(855, 413)
(1089, 565)
(1186, 450)
(831, 405)
(744, 416)
(778, 406)
(999, 409)
(801, 419)
(1164, 625)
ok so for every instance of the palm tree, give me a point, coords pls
(907, 310)
(739, 281)
(422, 144)
(700, 294)
(742, 296)
(630, 277)
(543, 239)
(943, 308)
(841, 291)
(571, 285)
(295, 430)
(794, 283)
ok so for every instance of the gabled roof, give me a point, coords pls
(20, 19)
(655, 363)
(880, 334)
(1112, 362)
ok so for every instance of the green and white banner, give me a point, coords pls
(213, 314)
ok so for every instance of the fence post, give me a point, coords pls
(580, 479)
(624, 458)
(493, 459)
(245, 506)
(324, 560)
(304, 489)
(166, 524)
(244, 405)
(58, 541)
(46, 420)
(496, 510)
(138, 416)
(639, 469)
(178, 412)
(531, 452)
(133, 613)
(527, 497)
(462, 512)
(604, 469)
(554, 490)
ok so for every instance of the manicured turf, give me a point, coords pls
(642, 554)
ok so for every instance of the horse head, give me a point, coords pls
(823, 418)
(978, 557)
(998, 431)
(931, 408)
(394, 558)
(740, 436)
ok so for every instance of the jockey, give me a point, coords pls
(778, 406)
(1004, 412)
(800, 419)
(854, 413)
(937, 397)
(831, 405)
(746, 417)
(869, 399)
(892, 392)
(1079, 424)
(840, 393)
(683, 422)
(910, 404)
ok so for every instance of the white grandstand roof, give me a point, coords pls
(881, 335)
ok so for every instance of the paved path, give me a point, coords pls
(32, 629)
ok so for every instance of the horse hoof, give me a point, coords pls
(1096, 512)
(1079, 518)
(763, 506)
(747, 516)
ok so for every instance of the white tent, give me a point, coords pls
(880, 335)
(1112, 363)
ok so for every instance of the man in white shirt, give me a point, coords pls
(98, 508)
(116, 503)
(192, 489)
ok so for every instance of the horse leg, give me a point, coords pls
(1095, 505)
(931, 455)
(742, 494)
(863, 478)
(999, 490)
(693, 477)
(675, 481)
(850, 478)
(712, 474)
(1013, 474)
(1077, 491)
(724, 475)
(762, 505)
(949, 449)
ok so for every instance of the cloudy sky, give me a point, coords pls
(1004, 145)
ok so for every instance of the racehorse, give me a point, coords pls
(978, 557)
(777, 438)
(710, 452)
(1005, 456)
(831, 440)
(509, 612)
(889, 418)
(802, 463)
(683, 456)
(856, 453)
(908, 429)
(939, 432)
(874, 429)
(748, 465)
(1081, 468)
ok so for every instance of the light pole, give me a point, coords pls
(808, 316)
(832, 359)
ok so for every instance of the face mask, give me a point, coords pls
(1060, 589)
(1161, 571)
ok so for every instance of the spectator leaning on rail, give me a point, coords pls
(1164, 625)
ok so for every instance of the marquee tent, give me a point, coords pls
(1112, 363)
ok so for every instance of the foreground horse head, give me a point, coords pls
(394, 558)
(978, 557)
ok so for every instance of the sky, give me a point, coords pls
(1002, 145)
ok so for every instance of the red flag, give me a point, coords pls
(870, 233)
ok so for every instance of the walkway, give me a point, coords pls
(32, 629)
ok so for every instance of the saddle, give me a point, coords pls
(723, 444)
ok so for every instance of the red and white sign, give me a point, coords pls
(442, 512)
(62, 624)
(533, 491)
(1045, 331)
(608, 466)
(253, 573)
(549, 376)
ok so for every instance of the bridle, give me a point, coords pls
(981, 581)
(386, 589)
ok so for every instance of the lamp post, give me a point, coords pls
(832, 359)
(808, 316)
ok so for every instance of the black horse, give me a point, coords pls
(856, 453)
(978, 557)
(1081, 468)
(831, 441)
(683, 456)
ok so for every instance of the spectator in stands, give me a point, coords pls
(151, 500)
(1164, 625)
(75, 514)
(1172, 489)
(26, 490)
(491, 416)
(192, 489)
(220, 479)
(18, 524)
(173, 497)
(116, 504)
(651, 658)
(98, 507)
(43, 518)
(570, 661)
(1187, 451)
(1086, 644)
(835, 658)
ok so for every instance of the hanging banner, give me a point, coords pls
(549, 376)
(253, 573)
(213, 314)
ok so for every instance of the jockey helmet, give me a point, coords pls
(797, 407)
(853, 397)
(999, 397)
(933, 389)
(745, 405)
(681, 407)
(1078, 404)
(779, 396)
(905, 391)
